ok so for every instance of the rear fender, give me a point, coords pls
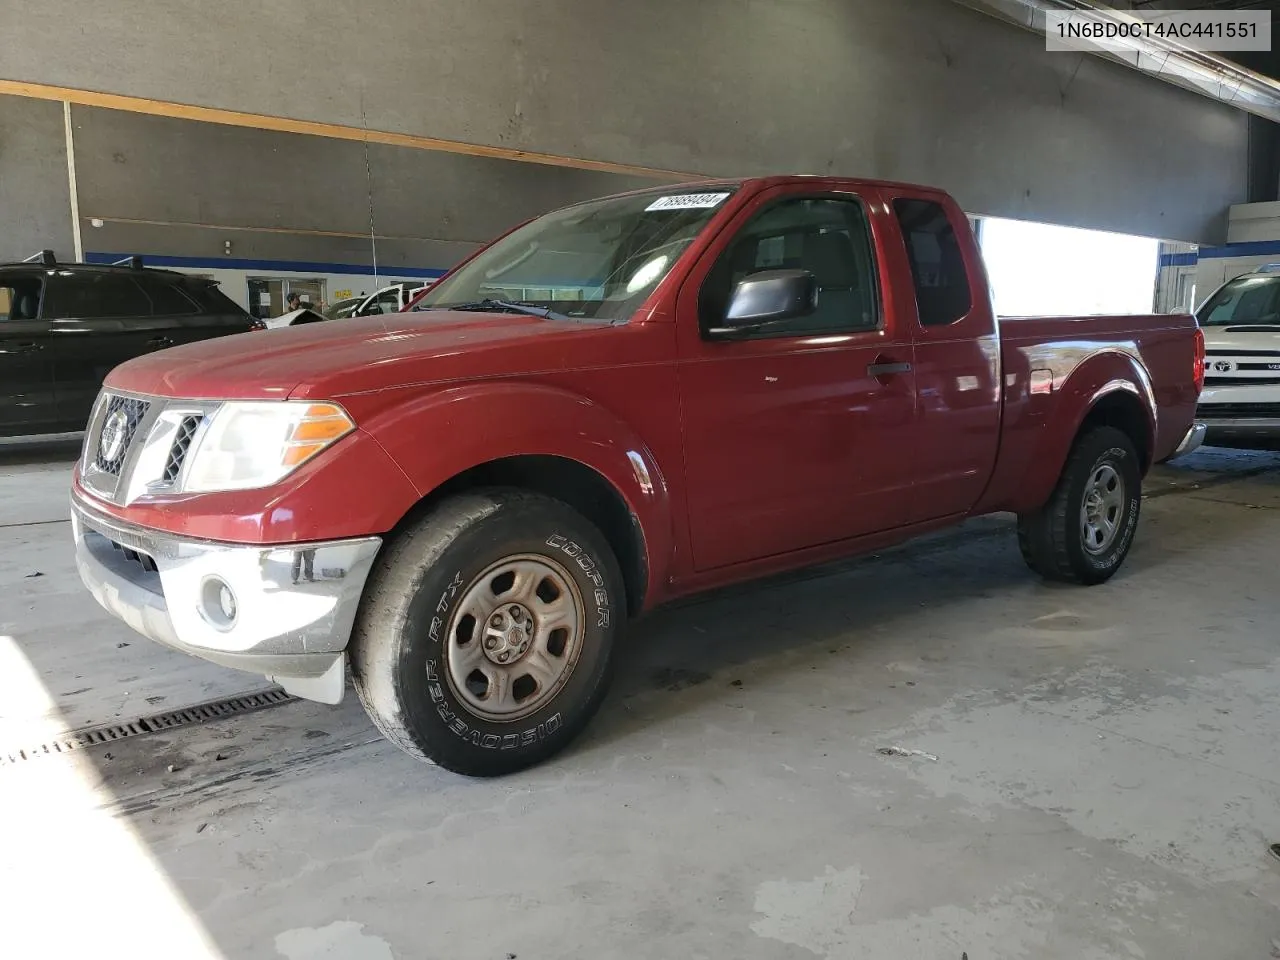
(435, 438)
(1099, 378)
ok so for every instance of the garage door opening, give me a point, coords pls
(1040, 269)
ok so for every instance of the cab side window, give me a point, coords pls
(937, 266)
(94, 296)
(827, 237)
(19, 300)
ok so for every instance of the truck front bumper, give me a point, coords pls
(1242, 431)
(283, 611)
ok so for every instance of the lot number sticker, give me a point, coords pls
(687, 201)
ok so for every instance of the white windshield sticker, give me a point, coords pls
(687, 201)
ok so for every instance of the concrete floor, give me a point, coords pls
(1097, 778)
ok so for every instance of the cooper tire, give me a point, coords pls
(418, 632)
(1059, 541)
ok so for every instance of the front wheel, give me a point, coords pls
(485, 637)
(1084, 532)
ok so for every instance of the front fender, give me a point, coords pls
(1100, 376)
(435, 437)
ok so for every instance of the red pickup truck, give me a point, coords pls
(615, 404)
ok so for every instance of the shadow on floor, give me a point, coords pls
(853, 605)
(39, 452)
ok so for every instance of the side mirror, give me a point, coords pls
(768, 297)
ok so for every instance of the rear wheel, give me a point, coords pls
(485, 638)
(1084, 532)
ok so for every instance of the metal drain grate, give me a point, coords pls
(156, 723)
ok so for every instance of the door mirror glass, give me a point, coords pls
(769, 296)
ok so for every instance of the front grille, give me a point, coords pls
(120, 422)
(146, 562)
(1241, 381)
(1236, 411)
(181, 444)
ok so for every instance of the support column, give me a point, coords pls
(69, 134)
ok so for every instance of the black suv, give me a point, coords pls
(63, 326)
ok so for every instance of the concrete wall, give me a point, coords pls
(232, 202)
(182, 188)
(1249, 222)
(35, 204)
(922, 90)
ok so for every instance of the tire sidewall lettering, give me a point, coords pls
(456, 722)
(442, 608)
(453, 716)
(591, 570)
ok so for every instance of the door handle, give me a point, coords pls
(887, 369)
(159, 343)
(26, 347)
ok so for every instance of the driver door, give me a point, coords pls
(798, 434)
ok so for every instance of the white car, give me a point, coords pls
(1241, 323)
(390, 299)
(295, 318)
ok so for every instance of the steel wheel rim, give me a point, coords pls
(514, 637)
(1102, 509)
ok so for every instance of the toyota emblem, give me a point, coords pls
(1223, 366)
(113, 433)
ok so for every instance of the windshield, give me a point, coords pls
(1245, 300)
(595, 260)
(343, 308)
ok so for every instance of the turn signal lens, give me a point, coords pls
(301, 453)
(322, 421)
(320, 425)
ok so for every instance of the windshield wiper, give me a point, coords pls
(490, 305)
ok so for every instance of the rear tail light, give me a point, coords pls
(1197, 368)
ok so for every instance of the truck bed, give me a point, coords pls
(1043, 359)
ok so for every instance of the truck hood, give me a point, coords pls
(1241, 337)
(357, 355)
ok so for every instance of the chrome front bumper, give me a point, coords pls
(294, 604)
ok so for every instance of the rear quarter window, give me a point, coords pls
(211, 299)
(167, 299)
(937, 265)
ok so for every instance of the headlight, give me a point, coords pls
(255, 443)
